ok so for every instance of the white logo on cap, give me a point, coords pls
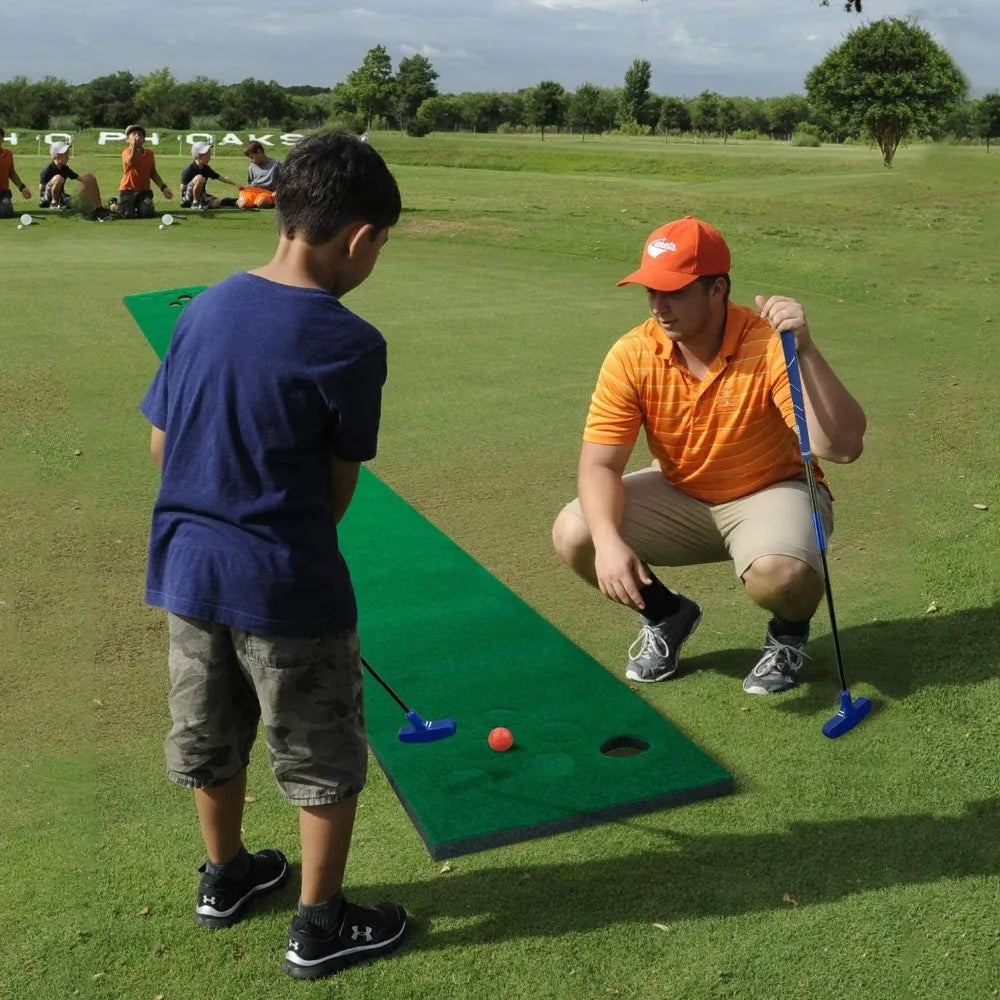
(660, 246)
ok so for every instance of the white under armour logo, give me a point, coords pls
(208, 900)
(293, 944)
(366, 933)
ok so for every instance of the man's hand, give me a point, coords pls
(26, 192)
(167, 193)
(784, 313)
(620, 573)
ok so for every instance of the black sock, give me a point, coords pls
(782, 626)
(660, 601)
(236, 869)
(325, 915)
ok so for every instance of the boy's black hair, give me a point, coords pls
(331, 180)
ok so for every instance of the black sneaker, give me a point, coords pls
(363, 933)
(221, 901)
(778, 666)
(655, 654)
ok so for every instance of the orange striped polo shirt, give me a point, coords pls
(717, 439)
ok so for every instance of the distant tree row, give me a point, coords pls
(886, 82)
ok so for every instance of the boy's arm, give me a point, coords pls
(156, 439)
(160, 183)
(21, 186)
(343, 482)
(155, 177)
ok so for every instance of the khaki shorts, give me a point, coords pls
(666, 527)
(307, 692)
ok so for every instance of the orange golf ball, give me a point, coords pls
(500, 739)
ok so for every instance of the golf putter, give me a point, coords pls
(419, 730)
(852, 710)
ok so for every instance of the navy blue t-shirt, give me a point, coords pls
(262, 383)
(53, 169)
(193, 170)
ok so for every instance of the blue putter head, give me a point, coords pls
(422, 731)
(852, 711)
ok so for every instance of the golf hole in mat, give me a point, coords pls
(624, 746)
(180, 301)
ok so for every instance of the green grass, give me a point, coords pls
(497, 295)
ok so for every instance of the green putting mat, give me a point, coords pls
(156, 312)
(454, 642)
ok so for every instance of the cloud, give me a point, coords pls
(430, 53)
(585, 4)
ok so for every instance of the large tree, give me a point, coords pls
(635, 93)
(705, 112)
(888, 80)
(254, 102)
(109, 100)
(585, 109)
(675, 116)
(544, 104)
(986, 118)
(371, 84)
(414, 84)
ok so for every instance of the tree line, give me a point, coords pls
(887, 82)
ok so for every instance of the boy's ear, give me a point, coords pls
(358, 233)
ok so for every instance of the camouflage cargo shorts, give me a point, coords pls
(307, 692)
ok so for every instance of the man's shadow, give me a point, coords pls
(896, 657)
(692, 877)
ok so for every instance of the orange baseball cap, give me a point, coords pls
(678, 253)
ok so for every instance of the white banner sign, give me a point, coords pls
(153, 139)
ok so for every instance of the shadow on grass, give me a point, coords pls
(895, 657)
(694, 877)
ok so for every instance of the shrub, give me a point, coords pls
(805, 139)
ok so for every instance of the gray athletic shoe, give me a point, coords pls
(655, 654)
(777, 668)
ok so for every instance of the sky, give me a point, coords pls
(752, 48)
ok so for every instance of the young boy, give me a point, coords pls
(8, 174)
(194, 177)
(135, 196)
(262, 177)
(265, 406)
(52, 184)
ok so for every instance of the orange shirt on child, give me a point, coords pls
(136, 176)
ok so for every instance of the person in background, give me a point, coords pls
(52, 184)
(262, 177)
(135, 194)
(196, 175)
(8, 174)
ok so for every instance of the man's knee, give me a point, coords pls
(782, 576)
(571, 536)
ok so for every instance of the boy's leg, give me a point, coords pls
(664, 527)
(220, 815)
(325, 834)
(311, 697)
(90, 193)
(214, 712)
(771, 538)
